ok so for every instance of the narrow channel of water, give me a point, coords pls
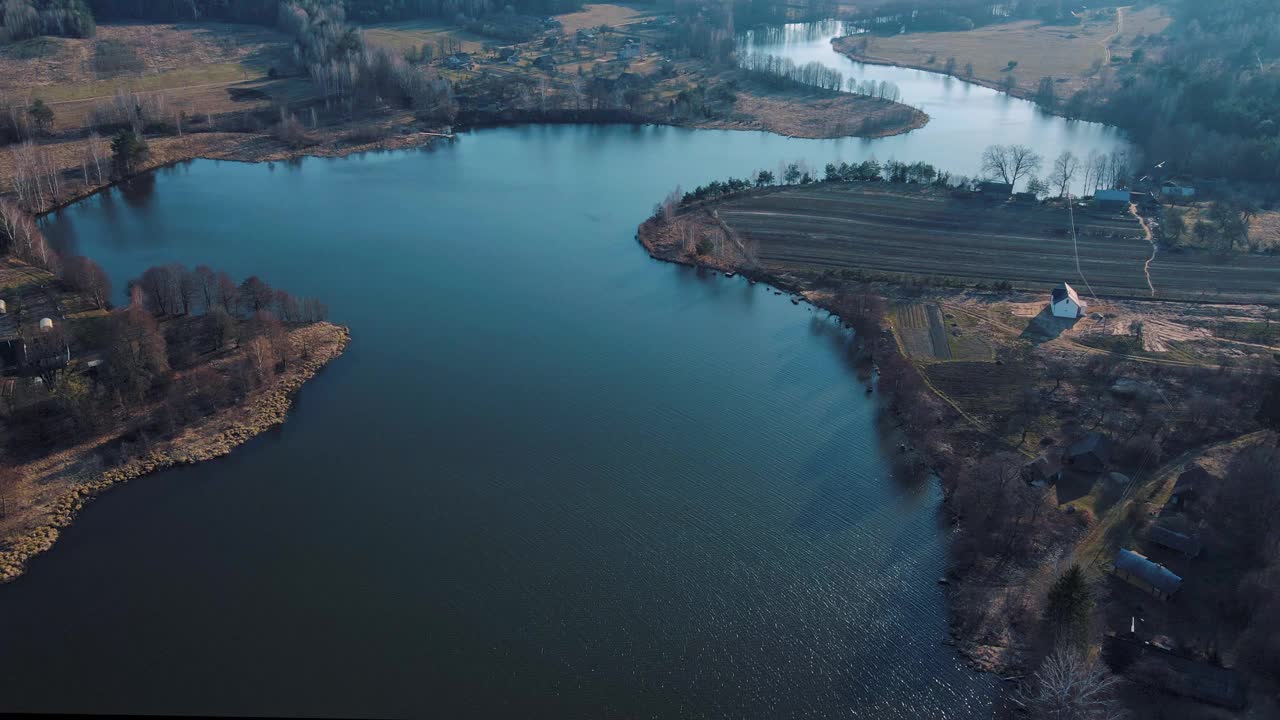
(550, 478)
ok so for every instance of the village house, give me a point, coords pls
(458, 61)
(1112, 200)
(1164, 537)
(1042, 471)
(545, 62)
(995, 190)
(1090, 454)
(1178, 187)
(1150, 577)
(1065, 303)
(629, 50)
(1174, 673)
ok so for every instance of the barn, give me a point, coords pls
(1135, 569)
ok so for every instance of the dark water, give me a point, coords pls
(550, 478)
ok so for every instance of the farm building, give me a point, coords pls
(1174, 673)
(1112, 199)
(1065, 303)
(458, 61)
(545, 62)
(996, 190)
(1092, 453)
(1135, 569)
(1177, 188)
(630, 49)
(1042, 471)
(1164, 537)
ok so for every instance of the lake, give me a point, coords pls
(551, 477)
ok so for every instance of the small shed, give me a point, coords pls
(3, 308)
(1066, 303)
(997, 190)
(46, 324)
(1092, 453)
(545, 62)
(1164, 537)
(1044, 470)
(1112, 199)
(1151, 577)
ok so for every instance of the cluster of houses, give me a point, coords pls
(20, 353)
(1172, 672)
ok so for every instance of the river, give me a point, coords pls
(551, 477)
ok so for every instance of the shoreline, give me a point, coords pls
(884, 350)
(211, 437)
(1016, 92)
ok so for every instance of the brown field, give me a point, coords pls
(192, 65)
(1066, 53)
(881, 228)
(611, 14)
(416, 33)
(928, 332)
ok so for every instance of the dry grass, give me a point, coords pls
(1065, 53)
(610, 14)
(412, 34)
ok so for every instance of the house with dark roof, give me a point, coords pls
(996, 190)
(1183, 543)
(1151, 577)
(1065, 303)
(1112, 199)
(1044, 470)
(1154, 666)
(1091, 454)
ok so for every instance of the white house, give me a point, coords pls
(1065, 303)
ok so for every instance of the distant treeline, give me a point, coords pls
(950, 15)
(1206, 97)
(798, 173)
(264, 12)
(22, 19)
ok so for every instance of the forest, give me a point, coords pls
(1207, 98)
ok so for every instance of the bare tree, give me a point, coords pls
(1064, 170)
(88, 276)
(1071, 686)
(1010, 162)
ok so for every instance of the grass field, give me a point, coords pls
(926, 231)
(1065, 53)
(192, 64)
(416, 33)
(610, 14)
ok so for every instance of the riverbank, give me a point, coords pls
(983, 382)
(51, 490)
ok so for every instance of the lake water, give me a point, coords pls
(551, 477)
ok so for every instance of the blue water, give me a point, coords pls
(551, 477)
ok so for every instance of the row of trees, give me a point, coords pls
(22, 19)
(779, 71)
(345, 69)
(1013, 163)
(173, 290)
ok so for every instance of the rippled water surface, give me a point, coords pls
(551, 477)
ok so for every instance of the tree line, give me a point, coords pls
(22, 19)
(779, 71)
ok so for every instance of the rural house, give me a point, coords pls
(1164, 537)
(995, 190)
(1112, 199)
(1065, 303)
(458, 61)
(1177, 188)
(1175, 673)
(630, 49)
(1091, 454)
(1042, 471)
(1151, 577)
(545, 62)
